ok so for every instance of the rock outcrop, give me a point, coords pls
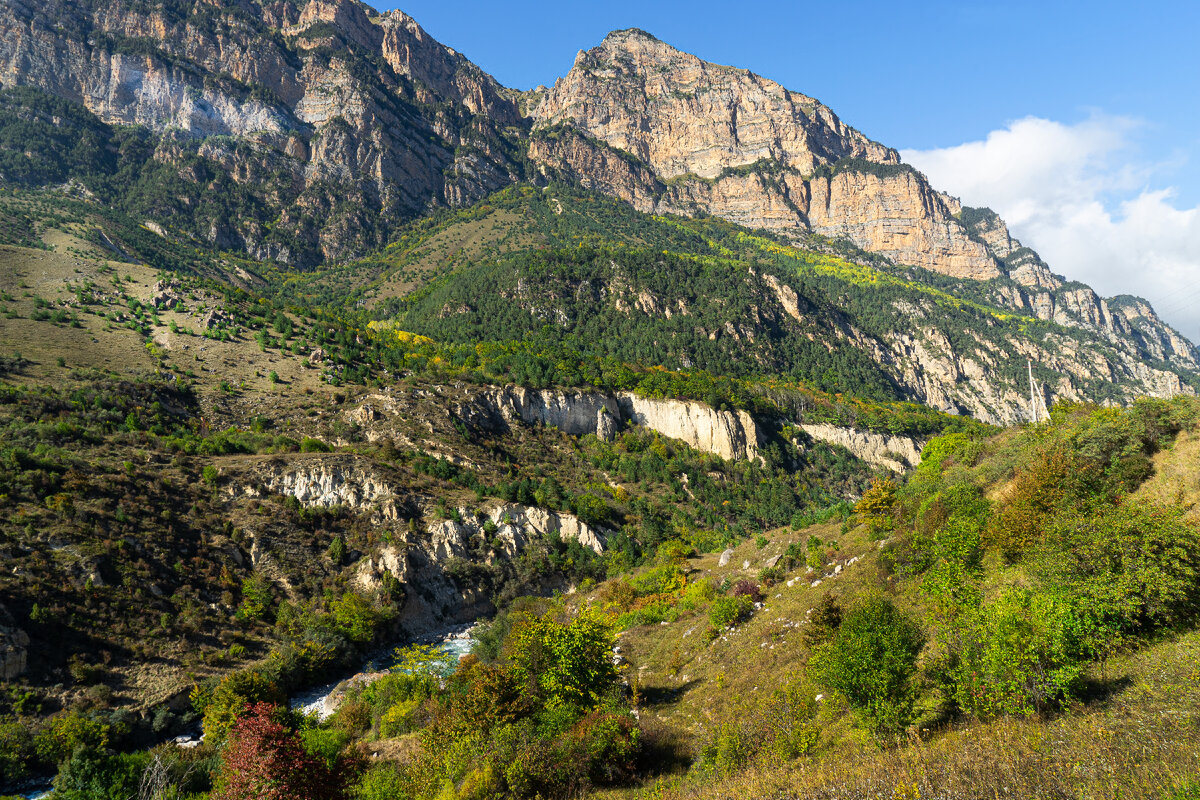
(898, 215)
(897, 453)
(419, 549)
(514, 526)
(324, 481)
(682, 115)
(728, 434)
(576, 413)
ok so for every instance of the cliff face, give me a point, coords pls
(344, 122)
(899, 216)
(728, 142)
(682, 115)
(729, 434)
(897, 453)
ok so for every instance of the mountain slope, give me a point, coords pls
(670, 133)
(565, 269)
(332, 122)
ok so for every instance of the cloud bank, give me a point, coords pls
(1078, 195)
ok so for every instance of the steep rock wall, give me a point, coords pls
(898, 216)
(729, 434)
(576, 413)
(897, 453)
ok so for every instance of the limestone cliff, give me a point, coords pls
(898, 215)
(729, 434)
(576, 413)
(897, 453)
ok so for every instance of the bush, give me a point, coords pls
(769, 576)
(355, 617)
(1131, 567)
(665, 579)
(877, 507)
(727, 611)
(95, 774)
(1017, 655)
(233, 695)
(564, 664)
(311, 445)
(266, 760)
(68, 731)
(729, 751)
(871, 661)
(16, 751)
(382, 782)
(748, 588)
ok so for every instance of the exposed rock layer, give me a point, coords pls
(897, 453)
(729, 434)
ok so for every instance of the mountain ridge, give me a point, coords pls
(315, 132)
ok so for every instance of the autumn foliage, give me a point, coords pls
(266, 760)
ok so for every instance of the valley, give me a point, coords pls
(757, 465)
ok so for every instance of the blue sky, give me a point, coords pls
(1077, 121)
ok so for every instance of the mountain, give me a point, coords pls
(317, 133)
(321, 123)
(702, 138)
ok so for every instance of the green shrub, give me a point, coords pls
(69, 731)
(382, 782)
(16, 751)
(256, 599)
(92, 773)
(565, 664)
(311, 445)
(664, 579)
(729, 751)
(726, 611)
(871, 661)
(1130, 568)
(356, 618)
(1017, 655)
(229, 700)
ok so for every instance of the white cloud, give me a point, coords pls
(1079, 196)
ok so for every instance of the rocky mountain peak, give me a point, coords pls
(683, 115)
